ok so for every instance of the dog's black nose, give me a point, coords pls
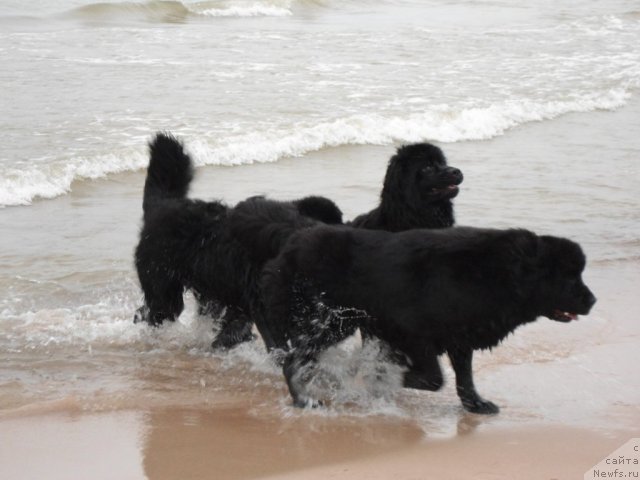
(591, 300)
(454, 173)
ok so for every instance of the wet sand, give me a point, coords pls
(230, 443)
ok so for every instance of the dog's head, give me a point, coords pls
(563, 292)
(420, 171)
(549, 272)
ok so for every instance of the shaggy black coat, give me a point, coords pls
(186, 244)
(417, 192)
(441, 291)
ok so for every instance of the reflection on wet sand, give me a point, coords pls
(233, 442)
(240, 440)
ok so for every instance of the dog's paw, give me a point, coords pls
(307, 402)
(480, 406)
(141, 315)
(420, 381)
(278, 355)
(227, 342)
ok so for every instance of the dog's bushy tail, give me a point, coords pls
(170, 171)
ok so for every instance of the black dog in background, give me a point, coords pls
(417, 192)
(448, 291)
(186, 244)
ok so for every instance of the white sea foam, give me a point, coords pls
(255, 10)
(163, 11)
(441, 123)
(107, 322)
(355, 379)
(20, 186)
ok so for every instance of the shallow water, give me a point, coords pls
(89, 83)
(281, 90)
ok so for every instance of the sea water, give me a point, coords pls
(536, 102)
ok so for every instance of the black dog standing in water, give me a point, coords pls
(417, 192)
(452, 290)
(186, 244)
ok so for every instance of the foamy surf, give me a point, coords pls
(169, 11)
(355, 380)
(440, 123)
(248, 9)
(162, 11)
(106, 322)
(20, 186)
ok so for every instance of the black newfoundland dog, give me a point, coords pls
(186, 244)
(424, 292)
(417, 192)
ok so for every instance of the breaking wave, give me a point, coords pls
(171, 11)
(441, 123)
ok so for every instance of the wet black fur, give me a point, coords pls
(186, 244)
(414, 193)
(437, 291)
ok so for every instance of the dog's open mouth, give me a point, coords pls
(448, 189)
(561, 316)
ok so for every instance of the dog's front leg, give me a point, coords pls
(298, 370)
(268, 323)
(461, 360)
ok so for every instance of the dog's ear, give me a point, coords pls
(394, 177)
(562, 253)
(523, 244)
(521, 255)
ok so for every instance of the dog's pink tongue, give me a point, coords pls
(566, 315)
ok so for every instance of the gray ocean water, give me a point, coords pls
(537, 103)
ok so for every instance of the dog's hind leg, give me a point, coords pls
(312, 335)
(461, 361)
(162, 302)
(424, 372)
(272, 306)
(236, 329)
(209, 308)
